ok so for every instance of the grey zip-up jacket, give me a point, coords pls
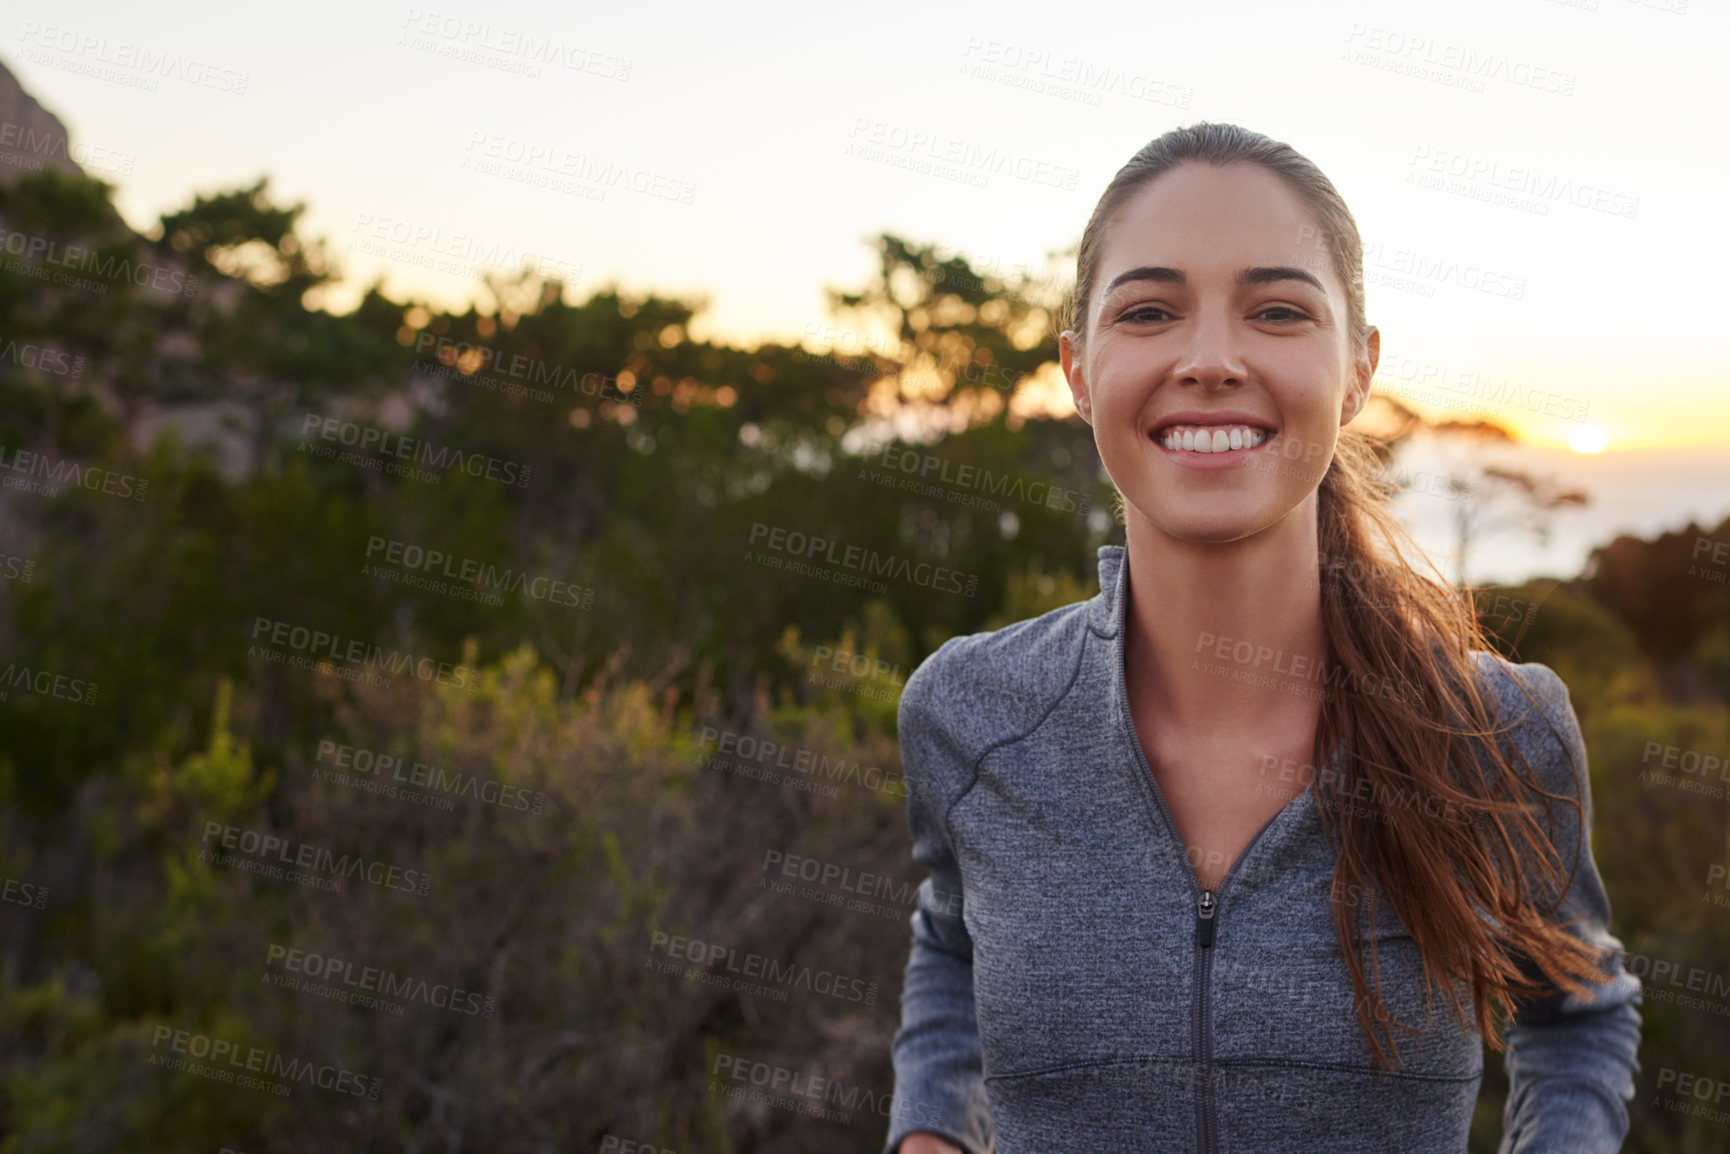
(1071, 988)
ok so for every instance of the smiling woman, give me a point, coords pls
(1139, 934)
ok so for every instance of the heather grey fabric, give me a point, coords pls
(1058, 998)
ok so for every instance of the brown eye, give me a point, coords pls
(1139, 313)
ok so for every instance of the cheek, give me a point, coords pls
(1305, 369)
(1115, 399)
(1122, 382)
(1312, 395)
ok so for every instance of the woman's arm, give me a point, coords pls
(939, 1067)
(1571, 1063)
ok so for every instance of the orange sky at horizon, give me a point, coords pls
(1541, 220)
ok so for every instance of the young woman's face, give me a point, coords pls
(1216, 319)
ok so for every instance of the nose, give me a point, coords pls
(1211, 356)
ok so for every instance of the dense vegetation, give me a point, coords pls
(516, 706)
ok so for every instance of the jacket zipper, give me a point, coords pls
(1206, 909)
(1204, 912)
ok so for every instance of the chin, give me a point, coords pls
(1210, 533)
(1212, 527)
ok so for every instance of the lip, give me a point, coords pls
(1220, 417)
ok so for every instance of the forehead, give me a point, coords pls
(1212, 220)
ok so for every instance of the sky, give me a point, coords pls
(1539, 184)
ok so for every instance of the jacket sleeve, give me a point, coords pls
(1570, 1062)
(938, 1058)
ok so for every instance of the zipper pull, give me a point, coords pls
(1204, 920)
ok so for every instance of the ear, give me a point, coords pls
(1363, 372)
(1070, 354)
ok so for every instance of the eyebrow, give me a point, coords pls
(1248, 276)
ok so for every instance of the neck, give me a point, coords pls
(1227, 637)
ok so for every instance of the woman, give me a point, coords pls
(1151, 923)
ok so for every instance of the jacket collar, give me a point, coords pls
(1106, 615)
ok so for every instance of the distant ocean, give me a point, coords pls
(1638, 492)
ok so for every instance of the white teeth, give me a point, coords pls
(1213, 439)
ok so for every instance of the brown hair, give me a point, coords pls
(1435, 742)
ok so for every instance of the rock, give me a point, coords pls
(31, 137)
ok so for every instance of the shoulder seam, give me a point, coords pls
(1068, 685)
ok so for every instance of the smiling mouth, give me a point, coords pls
(1208, 439)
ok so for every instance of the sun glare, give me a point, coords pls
(1587, 439)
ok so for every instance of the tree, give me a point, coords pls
(1485, 496)
(960, 339)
